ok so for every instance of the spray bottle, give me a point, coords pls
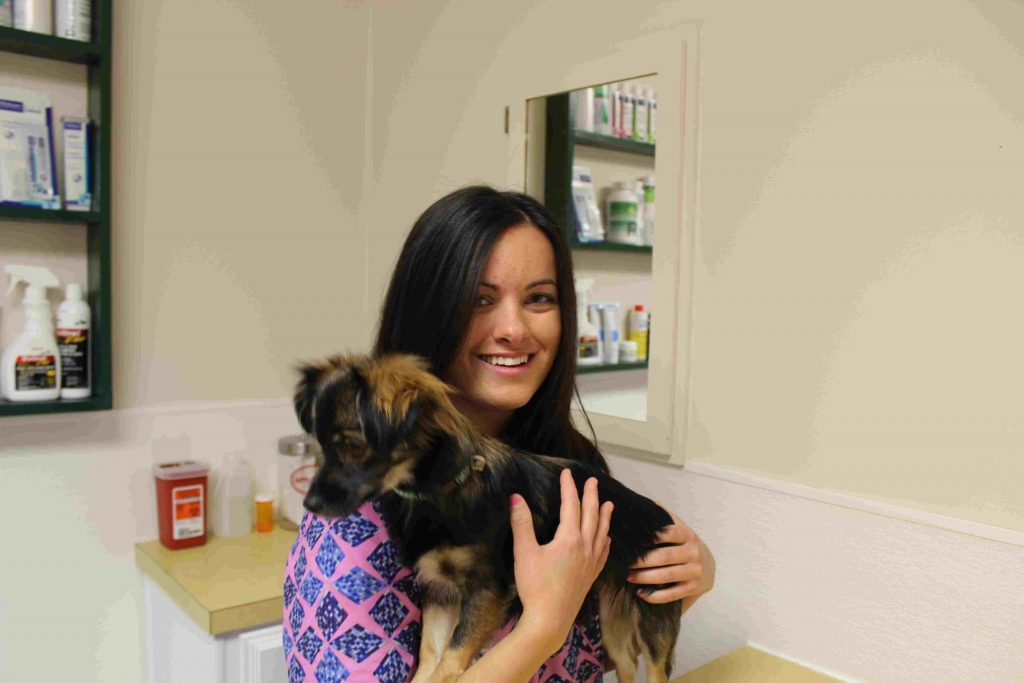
(30, 367)
(588, 351)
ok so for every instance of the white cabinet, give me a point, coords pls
(178, 651)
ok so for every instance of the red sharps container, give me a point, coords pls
(181, 502)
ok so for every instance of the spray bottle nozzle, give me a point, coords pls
(35, 276)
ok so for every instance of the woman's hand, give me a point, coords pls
(687, 564)
(554, 579)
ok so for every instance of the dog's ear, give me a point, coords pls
(384, 431)
(305, 392)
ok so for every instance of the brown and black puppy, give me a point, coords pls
(388, 430)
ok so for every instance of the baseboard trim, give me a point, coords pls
(807, 665)
(932, 519)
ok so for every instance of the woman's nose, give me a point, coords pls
(510, 325)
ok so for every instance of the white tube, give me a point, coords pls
(610, 332)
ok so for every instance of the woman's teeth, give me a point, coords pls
(502, 360)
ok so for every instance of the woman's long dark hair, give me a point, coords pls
(433, 293)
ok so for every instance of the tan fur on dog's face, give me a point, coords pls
(373, 419)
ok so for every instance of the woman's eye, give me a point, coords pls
(541, 299)
(482, 301)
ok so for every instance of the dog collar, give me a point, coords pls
(460, 478)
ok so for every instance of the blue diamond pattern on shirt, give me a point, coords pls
(357, 585)
(295, 672)
(586, 671)
(392, 670)
(354, 529)
(555, 678)
(296, 616)
(286, 640)
(331, 670)
(385, 560)
(310, 589)
(389, 612)
(411, 588)
(330, 615)
(358, 643)
(329, 555)
(300, 565)
(309, 644)
(289, 591)
(540, 672)
(294, 545)
(313, 531)
(572, 655)
(592, 628)
(409, 638)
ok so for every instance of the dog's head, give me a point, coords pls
(374, 418)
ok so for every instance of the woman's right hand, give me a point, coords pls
(553, 580)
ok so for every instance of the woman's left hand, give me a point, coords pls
(687, 564)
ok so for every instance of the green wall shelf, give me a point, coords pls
(615, 367)
(582, 137)
(96, 55)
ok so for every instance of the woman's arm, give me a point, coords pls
(552, 580)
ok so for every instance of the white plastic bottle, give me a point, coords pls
(616, 110)
(626, 126)
(30, 367)
(647, 215)
(74, 323)
(232, 516)
(34, 15)
(640, 115)
(652, 115)
(602, 111)
(73, 19)
(585, 110)
(588, 350)
(622, 218)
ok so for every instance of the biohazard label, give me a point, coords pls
(74, 357)
(189, 517)
(35, 372)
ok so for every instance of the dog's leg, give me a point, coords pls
(439, 621)
(480, 619)
(658, 630)
(618, 633)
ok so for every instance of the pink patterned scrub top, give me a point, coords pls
(352, 610)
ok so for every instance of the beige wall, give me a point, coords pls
(238, 175)
(857, 264)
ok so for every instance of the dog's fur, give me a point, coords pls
(387, 424)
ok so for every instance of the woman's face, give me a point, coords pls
(515, 332)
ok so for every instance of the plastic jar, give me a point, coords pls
(297, 462)
(622, 215)
(181, 502)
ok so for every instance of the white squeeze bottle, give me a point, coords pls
(73, 327)
(588, 349)
(233, 499)
(30, 367)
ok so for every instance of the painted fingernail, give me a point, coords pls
(517, 500)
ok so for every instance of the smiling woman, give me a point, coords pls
(484, 292)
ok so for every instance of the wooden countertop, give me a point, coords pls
(749, 665)
(227, 584)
